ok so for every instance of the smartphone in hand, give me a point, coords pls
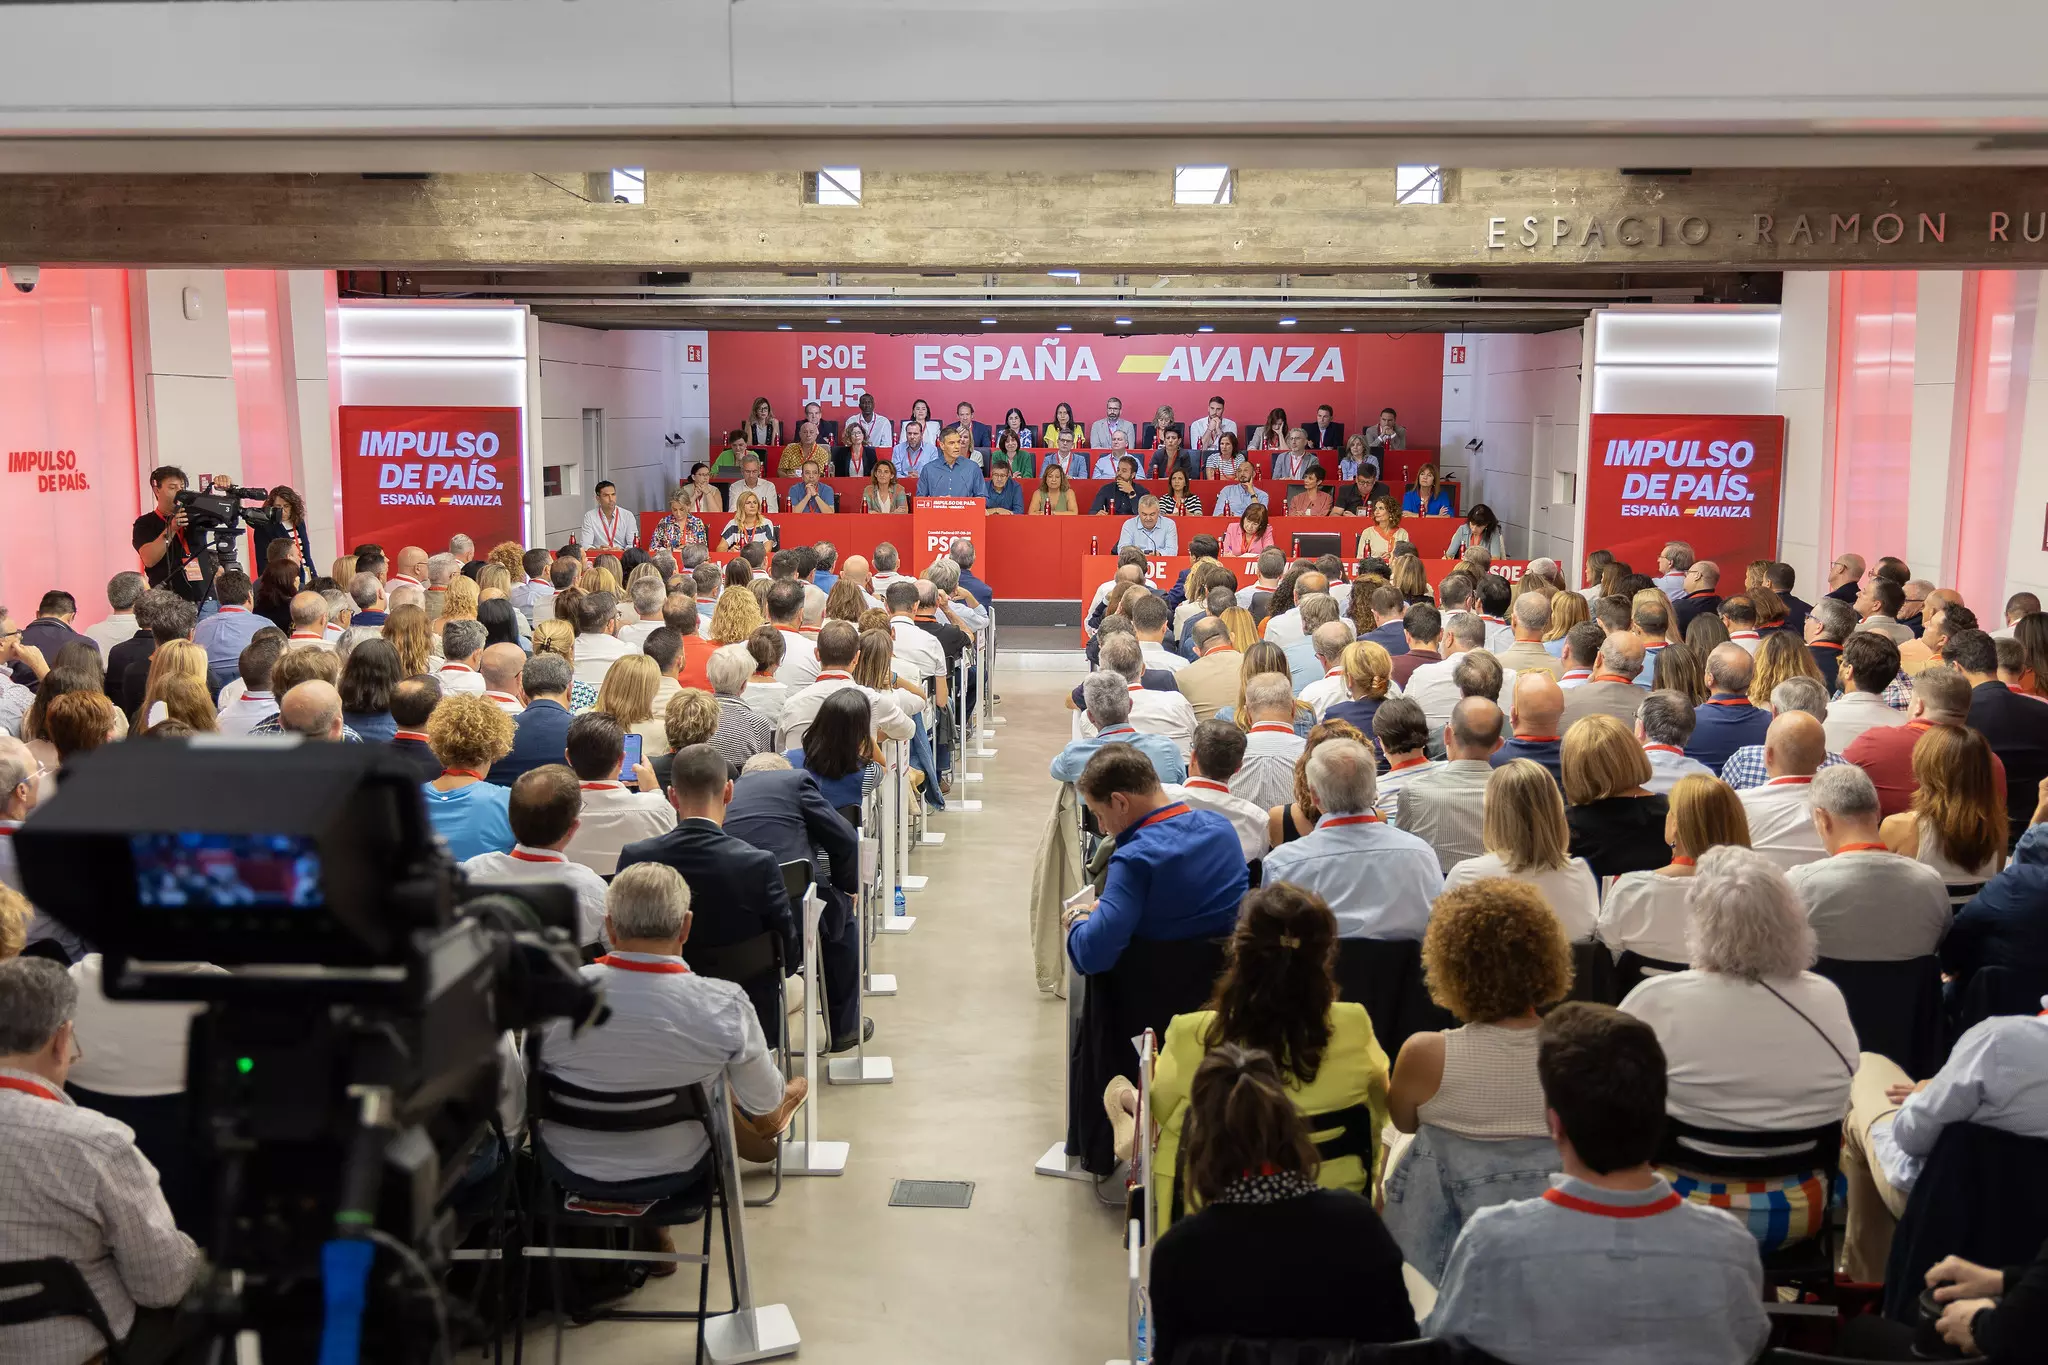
(632, 758)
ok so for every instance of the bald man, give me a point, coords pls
(1538, 717)
(1446, 806)
(312, 710)
(309, 621)
(409, 570)
(1844, 576)
(501, 666)
(1781, 810)
(856, 571)
(1726, 721)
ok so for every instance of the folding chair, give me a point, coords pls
(1631, 967)
(57, 1290)
(740, 1333)
(739, 963)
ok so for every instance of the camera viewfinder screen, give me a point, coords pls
(202, 871)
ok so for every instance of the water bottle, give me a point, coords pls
(1095, 545)
(902, 904)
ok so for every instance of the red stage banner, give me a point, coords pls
(1355, 375)
(1711, 481)
(937, 522)
(416, 476)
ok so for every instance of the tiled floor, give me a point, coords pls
(1033, 1272)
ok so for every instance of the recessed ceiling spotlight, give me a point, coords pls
(1063, 327)
(831, 322)
(1347, 329)
(1205, 327)
(1287, 322)
(988, 322)
(1123, 322)
(783, 327)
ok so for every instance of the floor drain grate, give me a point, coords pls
(931, 1194)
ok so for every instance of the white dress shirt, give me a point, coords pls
(1379, 881)
(1996, 1077)
(1285, 629)
(799, 666)
(890, 719)
(1206, 434)
(507, 702)
(1204, 793)
(1326, 691)
(526, 863)
(1748, 639)
(1157, 655)
(618, 529)
(1645, 912)
(1501, 636)
(1781, 821)
(242, 714)
(615, 815)
(668, 1027)
(1850, 714)
(1668, 764)
(761, 489)
(917, 646)
(1432, 688)
(73, 1185)
(459, 679)
(595, 655)
(110, 632)
(634, 634)
(1571, 891)
(1266, 777)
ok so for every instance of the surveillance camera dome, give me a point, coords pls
(24, 277)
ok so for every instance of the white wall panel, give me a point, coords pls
(1805, 384)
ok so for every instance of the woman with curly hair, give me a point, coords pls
(764, 692)
(405, 630)
(1278, 993)
(1495, 957)
(737, 615)
(1285, 824)
(290, 524)
(467, 734)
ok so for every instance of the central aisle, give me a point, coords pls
(1034, 1271)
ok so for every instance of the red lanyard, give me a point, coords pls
(611, 527)
(1536, 739)
(1333, 821)
(1207, 784)
(656, 968)
(1411, 763)
(1726, 701)
(601, 786)
(1788, 781)
(1163, 813)
(1267, 727)
(1670, 1201)
(420, 735)
(1611, 677)
(1862, 848)
(456, 668)
(547, 857)
(1677, 861)
(41, 1092)
(834, 675)
(1662, 749)
(462, 772)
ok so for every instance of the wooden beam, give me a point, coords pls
(1282, 220)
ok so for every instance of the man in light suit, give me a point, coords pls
(782, 812)
(1446, 807)
(1612, 690)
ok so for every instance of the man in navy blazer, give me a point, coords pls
(781, 811)
(540, 734)
(2015, 726)
(736, 889)
(979, 433)
(1325, 433)
(412, 701)
(1726, 721)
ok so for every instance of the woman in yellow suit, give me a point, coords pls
(1278, 993)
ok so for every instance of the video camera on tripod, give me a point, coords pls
(347, 1064)
(214, 517)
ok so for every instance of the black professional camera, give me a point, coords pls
(215, 517)
(346, 1067)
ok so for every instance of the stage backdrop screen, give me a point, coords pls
(1355, 375)
(416, 476)
(1713, 482)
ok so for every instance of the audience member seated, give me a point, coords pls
(1210, 681)
(1611, 689)
(1645, 912)
(76, 1186)
(1538, 721)
(1435, 686)
(1745, 767)
(613, 813)
(839, 750)
(2006, 924)
(1940, 696)
(1617, 822)
(838, 645)
(1726, 720)
(541, 730)
(1781, 810)
(1217, 754)
(1867, 903)
(1108, 709)
(1869, 662)
(1402, 736)
(412, 705)
(1996, 1077)
(1278, 995)
(1379, 881)
(1611, 1266)
(741, 731)
(1176, 872)
(668, 1026)
(1272, 1255)
(1154, 711)
(737, 888)
(1527, 838)
(1494, 957)
(1285, 824)
(2016, 724)
(1273, 744)
(1957, 822)
(1445, 806)
(544, 811)
(1755, 1042)
(1366, 673)
(1531, 613)
(467, 735)
(1665, 725)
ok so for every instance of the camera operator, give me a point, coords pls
(73, 1184)
(173, 556)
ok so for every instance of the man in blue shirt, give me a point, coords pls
(952, 475)
(226, 633)
(1232, 501)
(1610, 1264)
(1726, 721)
(1005, 494)
(1539, 720)
(1106, 697)
(961, 552)
(823, 576)
(812, 495)
(1149, 531)
(1177, 873)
